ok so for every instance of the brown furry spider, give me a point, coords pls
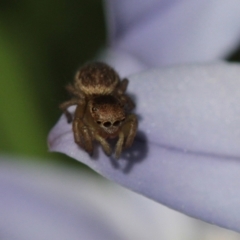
(102, 109)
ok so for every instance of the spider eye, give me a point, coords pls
(99, 122)
(94, 109)
(107, 124)
(115, 124)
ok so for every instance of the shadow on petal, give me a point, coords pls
(134, 155)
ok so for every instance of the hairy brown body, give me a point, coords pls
(103, 109)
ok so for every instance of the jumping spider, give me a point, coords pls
(102, 109)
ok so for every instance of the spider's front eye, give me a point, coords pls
(94, 109)
(115, 124)
(107, 124)
(99, 122)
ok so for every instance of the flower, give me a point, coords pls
(186, 155)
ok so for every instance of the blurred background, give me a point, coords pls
(42, 43)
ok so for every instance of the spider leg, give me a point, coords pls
(71, 89)
(104, 144)
(82, 136)
(119, 145)
(130, 129)
(123, 86)
(127, 102)
(125, 99)
(67, 104)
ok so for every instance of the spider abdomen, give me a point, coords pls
(96, 79)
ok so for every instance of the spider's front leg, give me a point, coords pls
(82, 133)
(119, 145)
(128, 132)
(105, 145)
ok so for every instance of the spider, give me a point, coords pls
(103, 109)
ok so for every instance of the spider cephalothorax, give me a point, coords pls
(108, 113)
(102, 109)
